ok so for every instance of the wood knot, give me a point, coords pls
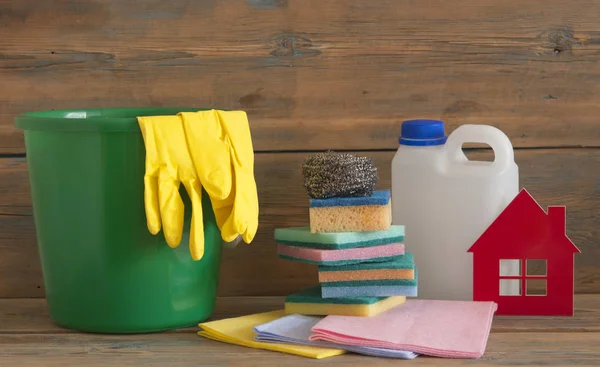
(292, 45)
(251, 99)
(557, 41)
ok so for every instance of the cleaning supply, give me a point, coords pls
(168, 164)
(340, 257)
(351, 214)
(439, 328)
(210, 150)
(447, 201)
(228, 133)
(333, 174)
(399, 267)
(240, 331)
(103, 271)
(303, 237)
(296, 329)
(310, 302)
(371, 288)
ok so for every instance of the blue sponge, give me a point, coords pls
(379, 197)
(371, 288)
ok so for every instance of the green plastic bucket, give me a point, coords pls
(103, 271)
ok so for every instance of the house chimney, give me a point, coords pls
(557, 215)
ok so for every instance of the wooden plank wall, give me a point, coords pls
(313, 75)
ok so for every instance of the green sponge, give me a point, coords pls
(405, 261)
(302, 237)
(313, 295)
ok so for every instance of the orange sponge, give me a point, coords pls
(351, 214)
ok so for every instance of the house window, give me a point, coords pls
(535, 287)
(510, 277)
(536, 267)
(510, 268)
(510, 287)
(518, 280)
(535, 280)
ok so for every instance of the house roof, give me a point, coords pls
(524, 216)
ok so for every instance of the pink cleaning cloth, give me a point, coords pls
(450, 329)
(359, 253)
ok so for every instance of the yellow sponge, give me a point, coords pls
(351, 214)
(310, 302)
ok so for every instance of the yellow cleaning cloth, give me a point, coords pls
(205, 149)
(240, 331)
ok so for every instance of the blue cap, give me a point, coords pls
(422, 132)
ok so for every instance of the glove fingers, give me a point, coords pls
(236, 223)
(229, 232)
(171, 211)
(252, 228)
(151, 204)
(197, 226)
(244, 216)
(248, 236)
(228, 215)
(209, 152)
(150, 178)
(222, 210)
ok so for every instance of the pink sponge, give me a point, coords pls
(340, 257)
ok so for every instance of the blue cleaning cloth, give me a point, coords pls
(296, 329)
(379, 197)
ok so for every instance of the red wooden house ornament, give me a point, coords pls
(524, 260)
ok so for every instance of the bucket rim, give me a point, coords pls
(121, 119)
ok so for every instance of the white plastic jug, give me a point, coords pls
(446, 201)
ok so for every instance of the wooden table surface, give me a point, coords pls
(29, 338)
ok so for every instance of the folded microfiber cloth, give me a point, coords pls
(340, 257)
(371, 288)
(452, 329)
(399, 267)
(351, 214)
(240, 331)
(310, 302)
(296, 329)
(303, 237)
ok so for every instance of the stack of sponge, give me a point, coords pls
(362, 263)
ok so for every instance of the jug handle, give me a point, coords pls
(485, 134)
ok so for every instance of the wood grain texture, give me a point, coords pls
(553, 176)
(189, 349)
(30, 316)
(30, 339)
(313, 74)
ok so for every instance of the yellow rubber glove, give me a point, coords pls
(168, 164)
(209, 150)
(244, 217)
(229, 159)
(203, 129)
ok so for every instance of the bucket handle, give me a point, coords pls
(485, 134)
